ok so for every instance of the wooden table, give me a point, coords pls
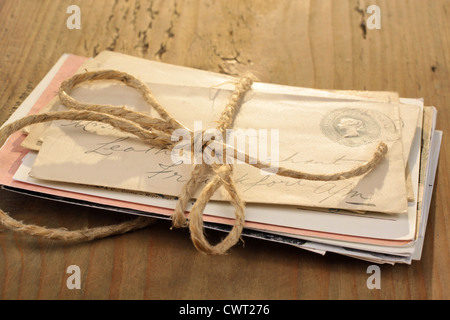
(318, 43)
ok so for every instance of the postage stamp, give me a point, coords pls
(356, 127)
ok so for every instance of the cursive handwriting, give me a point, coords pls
(332, 189)
(265, 181)
(88, 126)
(115, 146)
(171, 171)
(338, 161)
(167, 172)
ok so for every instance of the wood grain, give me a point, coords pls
(316, 43)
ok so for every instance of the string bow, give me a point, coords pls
(157, 132)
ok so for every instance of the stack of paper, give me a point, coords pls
(379, 217)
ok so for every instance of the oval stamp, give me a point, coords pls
(356, 127)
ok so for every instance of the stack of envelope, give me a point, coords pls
(379, 217)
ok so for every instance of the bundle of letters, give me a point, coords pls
(379, 216)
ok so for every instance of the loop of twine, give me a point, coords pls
(157, 132)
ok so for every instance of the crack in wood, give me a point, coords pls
(362, 25)
(112, 45)
(169, 33)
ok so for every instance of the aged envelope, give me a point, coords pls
(89, 153)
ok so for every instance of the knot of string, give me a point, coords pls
(157, 132)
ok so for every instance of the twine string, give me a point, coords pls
(157, 132)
